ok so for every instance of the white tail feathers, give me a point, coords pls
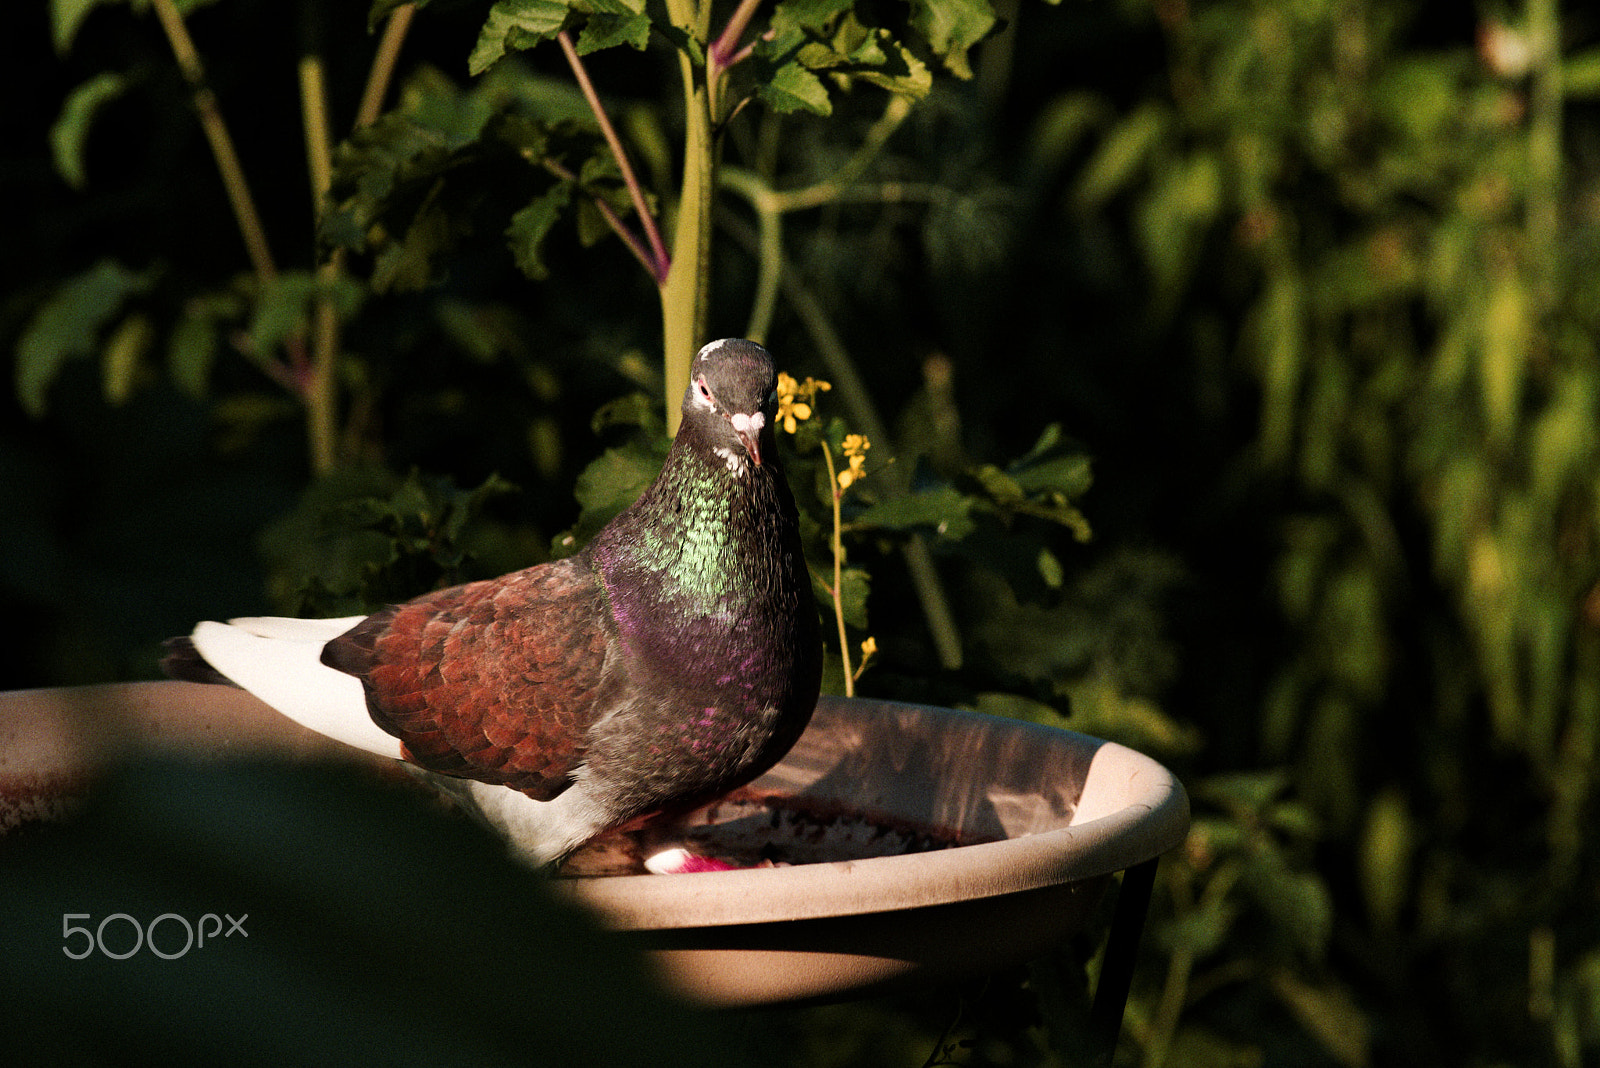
(279, 661)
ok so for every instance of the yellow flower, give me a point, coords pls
(794, 399)
(869, 649)
(855, 448)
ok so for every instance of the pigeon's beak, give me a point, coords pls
(748, 427)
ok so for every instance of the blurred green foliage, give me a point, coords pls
(1312, 282)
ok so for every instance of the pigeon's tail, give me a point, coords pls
(279, 661)
(181, 660)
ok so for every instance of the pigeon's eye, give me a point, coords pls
(705, 391)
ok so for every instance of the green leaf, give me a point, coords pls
(1050, 569)
(856, 587)
(530, 226)
(70, 133)
(901, 72)
(1120, 156)
(1580, 75)
(191, 350)
(1053, 465)
(793, 88)
(67, 17)
(1244, 793)
(610, 483)
(951, 27)
(284, 304)
(122, 357)
(1297, 901)
(1202, 930)
(1385, 858)
(407, 265)
(513, 26)
(630, 410)
(609, 30)
(818, 15)
(68, 326)
(945, 510)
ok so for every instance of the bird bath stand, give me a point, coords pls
(895, 844)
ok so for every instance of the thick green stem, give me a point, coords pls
(684, 294)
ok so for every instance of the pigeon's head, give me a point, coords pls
(732, 395)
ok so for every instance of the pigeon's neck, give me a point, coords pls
(707, 542)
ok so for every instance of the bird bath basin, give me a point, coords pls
(896, 843)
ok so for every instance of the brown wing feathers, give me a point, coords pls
(497, 680)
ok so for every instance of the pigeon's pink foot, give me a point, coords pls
(681, 861)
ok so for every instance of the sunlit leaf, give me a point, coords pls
(952, 27)
(602, 31)
(70, 133)
(790, 15)
(1050, 569)
(515, 25)
(794, 88)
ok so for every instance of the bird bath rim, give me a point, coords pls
(1131, 809)
(763, 935)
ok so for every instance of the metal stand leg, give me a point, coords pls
(1122, 950)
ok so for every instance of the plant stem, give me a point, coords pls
(319, 379)
(314, 117)
(837, 590)
(613, 220)
(724, 52)
(318, 394)
(222, 149)
(383, 65)
(685, 294)
(661, 263)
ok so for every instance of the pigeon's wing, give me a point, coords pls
(497, 681)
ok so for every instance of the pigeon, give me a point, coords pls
(675, 657)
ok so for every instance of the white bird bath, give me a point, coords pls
(911, 843)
